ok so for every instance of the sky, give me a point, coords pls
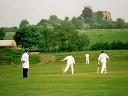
(13, 11)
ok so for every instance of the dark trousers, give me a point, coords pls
(25, 72)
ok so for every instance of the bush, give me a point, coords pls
(100, 46)
(109, 46)
(13, 56)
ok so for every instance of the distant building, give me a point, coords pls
(107, 16)
(8, 43)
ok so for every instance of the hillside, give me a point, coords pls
(106, 35)
(9, 35)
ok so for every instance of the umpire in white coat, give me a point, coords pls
(102, 59)
(25, 63)
(70, 62)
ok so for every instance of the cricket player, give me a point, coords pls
(25, 63)
(70, 62)
(87, 58)
(102, 59)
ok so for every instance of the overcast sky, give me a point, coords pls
(13, 11)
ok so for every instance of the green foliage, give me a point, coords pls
(99, 17)
(120, 23)
(28, 37)
(115, 45)
(45, 24)
(68, 39)
(24, 23)
(46, 40)
(12, 56)
(54, 21)
(83, 42)
(60, 38)
(100, 46)
(10, 29)
(77, 22)
(2, 33)
(7, 33)
(9, 56)
(87, 14)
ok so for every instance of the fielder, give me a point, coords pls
(70, 62)
(87, 58)
(102, 59)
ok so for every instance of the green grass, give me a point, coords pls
(48, 80)
(9, 35)
(106, 35)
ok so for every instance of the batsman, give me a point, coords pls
(102, 60)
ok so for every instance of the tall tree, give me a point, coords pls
(66, 18)
(54, 20)
(99, 16)
(28, 37)
(120, 23)
(77, 22)
(45, 24)
(24, 23)
(87, 14)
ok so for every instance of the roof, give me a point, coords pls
(7, 43)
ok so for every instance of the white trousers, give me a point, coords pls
(67, 67)
(87, 61)
(103, 68)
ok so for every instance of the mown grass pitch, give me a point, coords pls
(48, 80)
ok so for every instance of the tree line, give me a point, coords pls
(46, 38)
(56, 35)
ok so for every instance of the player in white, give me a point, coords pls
(102, 59)
(25, 63)
(87, 58)
(70, 62)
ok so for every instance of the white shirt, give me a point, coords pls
(70, 59)
(87, 55)
(103, 57)
(25, 58)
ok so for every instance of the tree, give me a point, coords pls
(54, 20)
(28, 37)
(66, 18)
(2, 33)
(99, 16)
(77, 22)
(46, 41)
(87, 14)
(24, 23)
(45, 24)
(83, 42)
(10, 29)
(68, 39)
(65, 39)
(120, 23)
